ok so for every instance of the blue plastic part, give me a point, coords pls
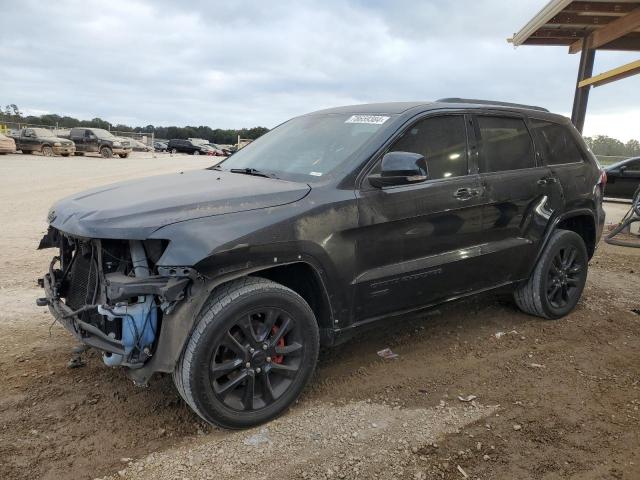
(139, 320)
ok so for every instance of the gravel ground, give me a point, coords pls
(553, 399)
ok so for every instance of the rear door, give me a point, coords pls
(415, 242)
(520, 196)
(29, 140)
(76, 136)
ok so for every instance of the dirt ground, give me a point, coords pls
(553, 399)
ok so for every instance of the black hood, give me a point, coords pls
(135, 208)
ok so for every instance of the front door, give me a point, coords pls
(624, 180)
(414, 242)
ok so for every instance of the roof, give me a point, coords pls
(609, 24)
(394, 108)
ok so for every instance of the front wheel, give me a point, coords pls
(254, 348)
(555, 286)
(47, 151)
(106, 152)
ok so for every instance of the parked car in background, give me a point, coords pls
(219, 151)
(161, 146)
(137, 145)
(98, 140)
(623, 178)
(7, 144)
(233, 277)
(29, 140)
(177, 145)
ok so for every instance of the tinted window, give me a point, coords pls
(557, 144)
(505, 144)
(634, 165)
(442, 141)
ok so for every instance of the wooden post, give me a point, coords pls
(581, 97)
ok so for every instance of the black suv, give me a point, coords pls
(231, 278)
(186, 146)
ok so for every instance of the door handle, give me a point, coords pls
(465, 193)
(546, 181)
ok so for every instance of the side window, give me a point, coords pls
(633, 166)
(557, 143)
(87, 133)
(442, 141)
(29, 133)
(505, 144)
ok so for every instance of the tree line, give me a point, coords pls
(11, 113)
(607, 146)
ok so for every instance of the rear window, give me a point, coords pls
(557, 143)
(505, 144)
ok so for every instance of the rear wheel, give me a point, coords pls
(196, 152)
(47, 151)
(253, 350)
(106, 152)
(555, 286)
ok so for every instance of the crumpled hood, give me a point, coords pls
(134, 209)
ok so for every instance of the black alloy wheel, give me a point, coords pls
(564, 277)
(557, 281)
(253, 349)
(257, 359)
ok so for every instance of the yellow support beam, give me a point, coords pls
(609, 76)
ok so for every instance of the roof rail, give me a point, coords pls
(489, 102)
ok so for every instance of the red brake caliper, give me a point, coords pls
(278, 358)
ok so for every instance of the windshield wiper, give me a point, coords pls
(252, 171)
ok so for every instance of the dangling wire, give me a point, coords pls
(633, 215)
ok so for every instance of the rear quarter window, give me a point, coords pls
(557, 144)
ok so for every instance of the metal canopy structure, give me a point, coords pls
(587, 26)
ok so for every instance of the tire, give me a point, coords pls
(174, 151)
(196, 152)
(47, 151)
(557, 281)
(123, 155)
(65, 154)
(106, 152)
(225, 334)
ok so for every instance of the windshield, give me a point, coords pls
(309, 146)
(43, 132)
(100, 133)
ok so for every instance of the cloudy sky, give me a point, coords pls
(246, 63)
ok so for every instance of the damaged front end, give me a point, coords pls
(111, 295)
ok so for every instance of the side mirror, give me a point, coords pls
(400, 168)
